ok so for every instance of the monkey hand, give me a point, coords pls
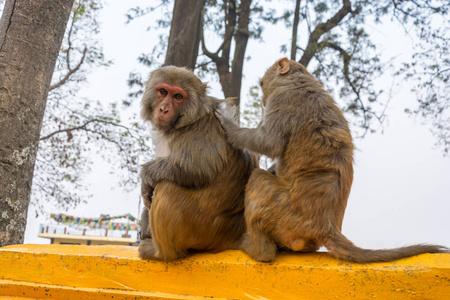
(231, 128)
(227, 119)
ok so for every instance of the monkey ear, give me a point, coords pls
(283, 65)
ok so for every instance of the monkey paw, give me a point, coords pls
(266, 251)
(226, 119)
(147, 249)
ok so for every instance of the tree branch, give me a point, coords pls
(213, 56)
(346, 60)
(241, 38)
(83, 127)
(321, 29)
(295, 29)
(70, 73)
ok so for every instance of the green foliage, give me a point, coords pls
(347, 61)
(253, 110)
(155, 58)
(429, 67)
(344, 58)
(214, 27)
(75, 128)
(137, 12)
(341, 53)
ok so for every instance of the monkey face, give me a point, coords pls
(168, 100)
(174, 97)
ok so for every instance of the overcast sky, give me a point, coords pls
(401, 186)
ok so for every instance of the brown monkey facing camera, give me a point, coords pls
(301, 207)
(197, 179)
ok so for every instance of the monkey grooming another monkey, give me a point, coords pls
(302, 207)
(197, 179)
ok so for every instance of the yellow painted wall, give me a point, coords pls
(116, 272)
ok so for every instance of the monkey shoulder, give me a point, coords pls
(201, 145)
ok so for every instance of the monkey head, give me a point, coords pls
(277, 74)
(174, 97)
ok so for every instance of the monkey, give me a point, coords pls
(195, 187)
(300, 205)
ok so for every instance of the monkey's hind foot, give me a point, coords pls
(265, 251)
(147, 249)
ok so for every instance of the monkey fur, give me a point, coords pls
(302, 207)
(194, 189)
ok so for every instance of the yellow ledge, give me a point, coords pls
(116, 272)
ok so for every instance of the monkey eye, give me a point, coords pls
(261, 83)
(163, 91)
(178, 96)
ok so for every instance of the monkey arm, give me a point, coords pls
(162, 169)
(261, 139)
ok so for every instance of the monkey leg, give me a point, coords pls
(258, 246)
(167, 227)
(266, 195)
(147, 249)
(151, 249)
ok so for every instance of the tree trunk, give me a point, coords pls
(232, 81)
(184, 39)
(242, 36)
(31, 33)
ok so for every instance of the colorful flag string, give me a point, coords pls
(103, 222)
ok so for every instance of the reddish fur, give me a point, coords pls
(302, 205)
(198, 185)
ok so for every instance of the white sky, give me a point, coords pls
(401, 188)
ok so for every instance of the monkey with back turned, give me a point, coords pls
(194, 189)
(302, 206)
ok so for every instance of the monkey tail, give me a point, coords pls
(340, 247)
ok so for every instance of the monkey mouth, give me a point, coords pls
(166, 124)
(177, 120)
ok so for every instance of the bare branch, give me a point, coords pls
(70, 73)
(346, 61)
(84, 127)
(321, 29)
(213, 56)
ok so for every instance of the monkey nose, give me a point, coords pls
(164, 109)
